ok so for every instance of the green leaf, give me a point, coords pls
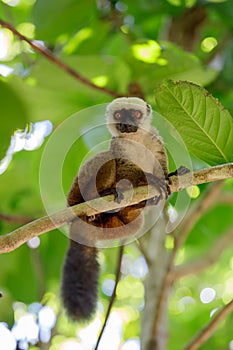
(205, 126)
(50, 93)
(58, 17)
(170, 63)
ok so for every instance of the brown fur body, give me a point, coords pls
(129, 160)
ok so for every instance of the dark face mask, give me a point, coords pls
(127, 123)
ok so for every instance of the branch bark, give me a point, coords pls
(62, 65)
(209, 329)
(21, 235)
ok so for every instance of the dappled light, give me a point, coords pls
(149, 52)
(5, 43)
(34, 242)
(28, 139)
(31, 325)
(207, 295)
(7, 339)
(193, 191)
(208, 44)
(101, 80)
(5, 70)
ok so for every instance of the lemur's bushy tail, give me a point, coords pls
(80, 281)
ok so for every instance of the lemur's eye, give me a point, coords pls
(138, 114)
(117, 115)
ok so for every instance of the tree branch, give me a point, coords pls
(209, 329)
(50, 56)
(201, 263)
(21, 235)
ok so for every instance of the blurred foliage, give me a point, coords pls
(122, 45)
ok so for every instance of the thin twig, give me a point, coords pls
(113, 296)
(209, 329)
(39, 272)
(21, 235)
(226, 198)
(15, 219)
(142, 249)
(200, 206)
(50, 56)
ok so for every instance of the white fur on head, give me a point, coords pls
(127, 103)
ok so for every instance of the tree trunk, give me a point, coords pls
(154, 320)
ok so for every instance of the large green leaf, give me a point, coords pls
(203, 123)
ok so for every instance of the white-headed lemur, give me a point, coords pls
(136, 156)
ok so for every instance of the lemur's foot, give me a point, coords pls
(180, 171)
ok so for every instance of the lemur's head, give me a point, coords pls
(127, 115)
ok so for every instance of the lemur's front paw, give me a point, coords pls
(161, 186)
(118, 195)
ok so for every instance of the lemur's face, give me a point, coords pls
(127, 115)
